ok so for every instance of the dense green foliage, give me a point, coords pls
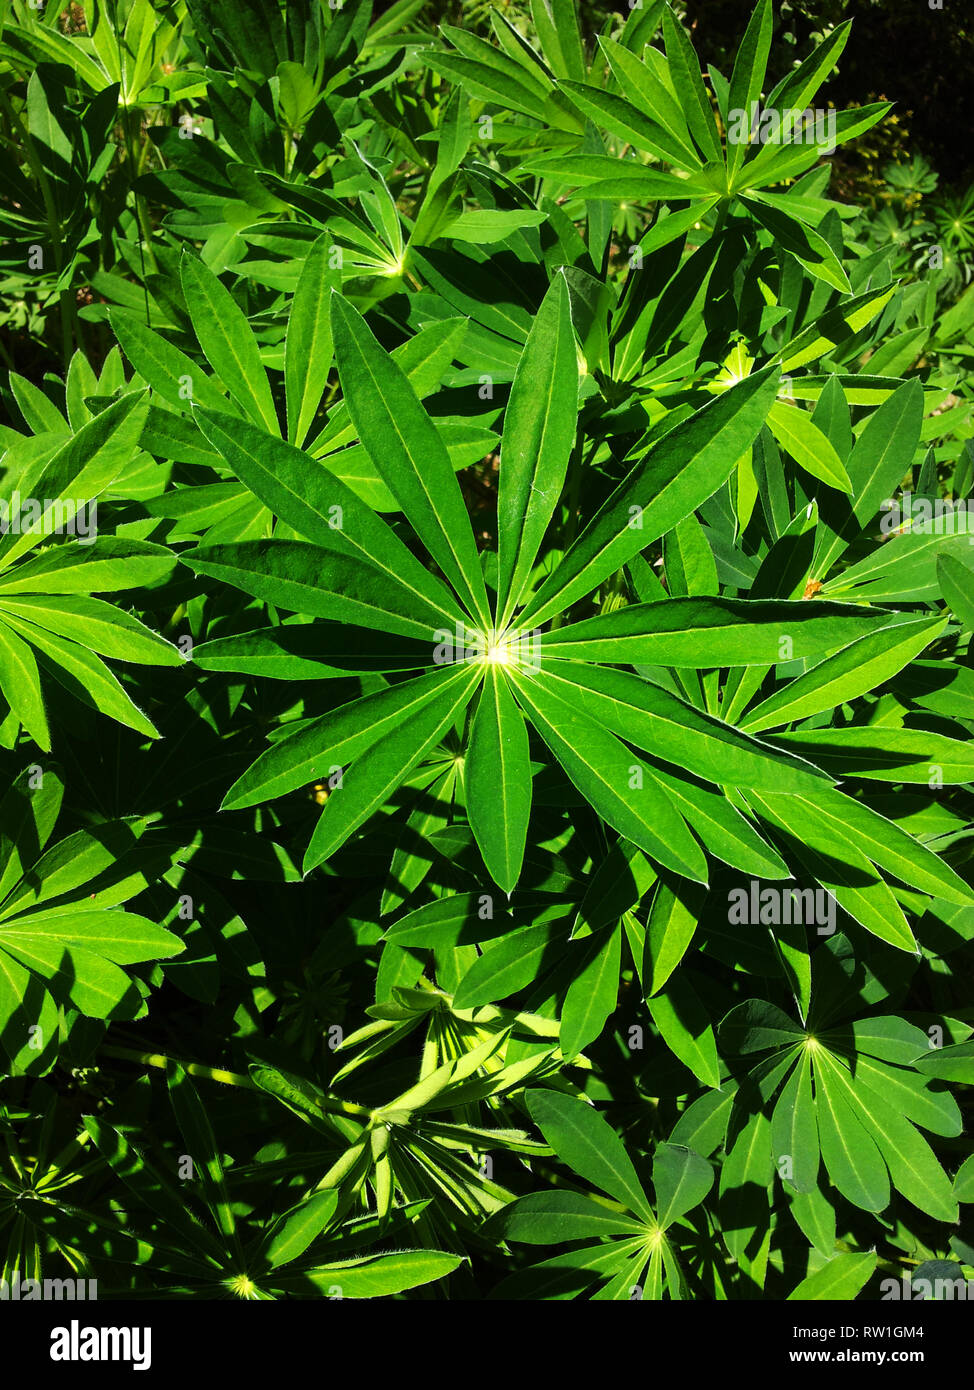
(486, 593)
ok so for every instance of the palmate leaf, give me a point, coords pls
(361, 573)
(76, 953)
(864, 1109)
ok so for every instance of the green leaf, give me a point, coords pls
(323, 581)
(84, 675)
(708, 632)
(620, 787)
(381, 767)
(20, 683)
(539, 430)
(121, 937)
(880, 459)
(549, 1218)
(592, 995)
(681, 1180)
(380, 1276)
(950, 1063)
(964, 1181)
(101, 627)
(747, 78)
(174, 376)
(721, 828)
(650, 94)
(682, 1019)
(912, 1164)
(79, 471)
(584, 1140)
(840, 1279)
(626, 122)
(757, 1025)
(893, 755)
(487, 83)
(497, 777)
(799, 436)
(408, 453)
(154, 1190)
(688, 84)
(228, 342)
(308, 345)
(685, 467)
(673, 920)
(854, 1163)
(334, 739)
(321, 508)
(666, 726)
(556, 24)
(108, 565)
(198, 1133)
(881, 840)
(853, 671)
(292, 1233)
(794, 1133)
(96, 987)
(956, 581)
(506, 966)
(807, 246)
